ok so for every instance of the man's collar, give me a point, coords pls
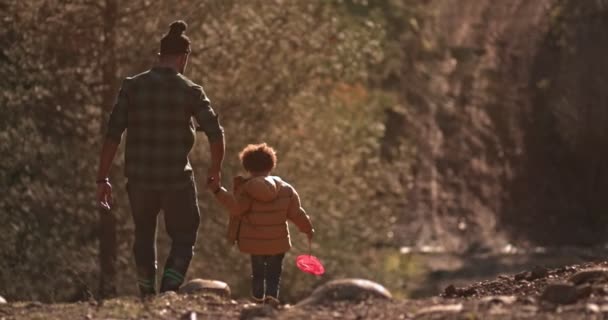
(166, 70)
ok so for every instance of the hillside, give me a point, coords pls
(504, 102)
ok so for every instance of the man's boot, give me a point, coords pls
(175, 269)
(146, 281)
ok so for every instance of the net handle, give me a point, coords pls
(309, 246)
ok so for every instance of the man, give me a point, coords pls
(157, 107)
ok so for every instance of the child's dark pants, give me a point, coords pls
(182, 218)
(266, 269)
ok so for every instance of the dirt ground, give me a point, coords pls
(513, 296)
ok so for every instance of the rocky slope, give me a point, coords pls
(505, 108)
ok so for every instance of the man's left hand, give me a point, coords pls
(104, 195)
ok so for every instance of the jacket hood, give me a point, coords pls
(262, 188)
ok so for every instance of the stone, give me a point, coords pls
(589, 276)
(34, 305)
(583, 291)
(450, 308)
(2, 300)
(529, 309)
(167, 295)
(526, 300)
(198, 286)
(522, 275)
(468, 292)
(263, 311)
(536, 273)
(505, 300)
(592, 308)
(190, 315)
(497, 304)
(450, 291)
(560, 293)
(354, 290)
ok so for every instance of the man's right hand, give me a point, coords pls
(104, 195)
(213, 185)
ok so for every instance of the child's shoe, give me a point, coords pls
(272, 301)
(257, 300)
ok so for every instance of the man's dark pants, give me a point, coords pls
(182, 218)
(266, 269)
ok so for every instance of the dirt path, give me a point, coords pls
(514, 296)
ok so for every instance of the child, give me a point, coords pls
(260, 206)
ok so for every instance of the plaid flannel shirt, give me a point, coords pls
(157, 107)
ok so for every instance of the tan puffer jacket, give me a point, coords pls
(259, 212)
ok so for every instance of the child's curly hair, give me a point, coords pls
(258, 158)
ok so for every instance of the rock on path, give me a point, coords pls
(197, 286)
(346, 289)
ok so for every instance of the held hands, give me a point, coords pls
(213, 185)
(214, 179)
(104, 195)
(214, 174)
